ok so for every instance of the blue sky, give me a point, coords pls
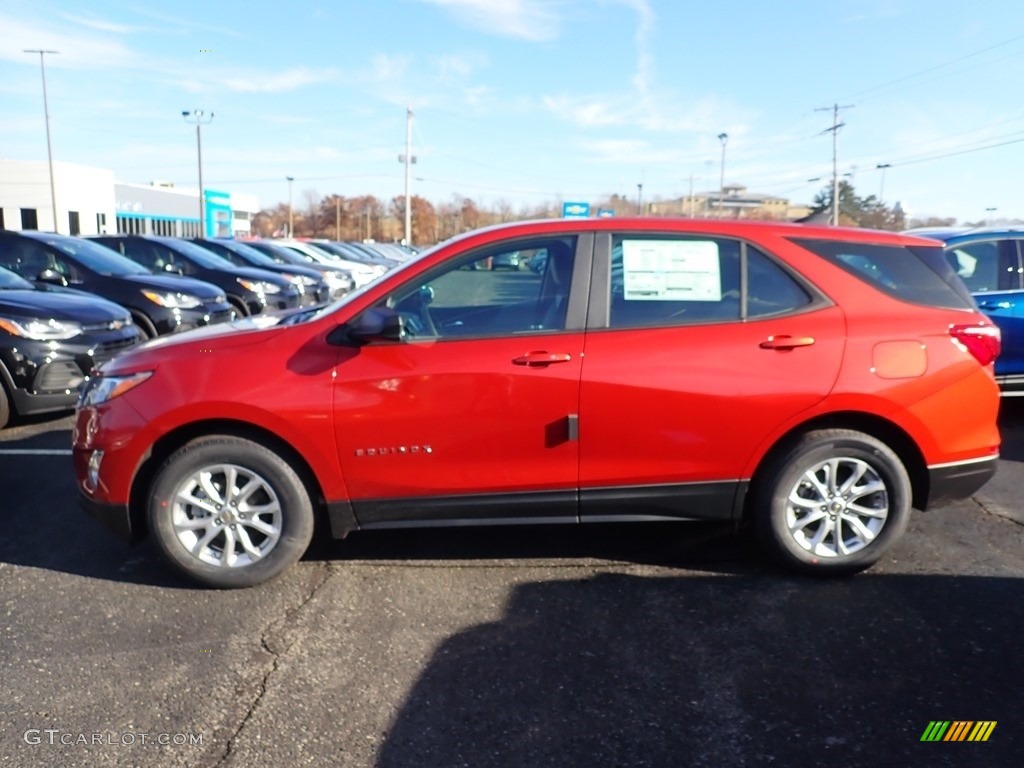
(529, 100)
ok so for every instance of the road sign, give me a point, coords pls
(575, 210)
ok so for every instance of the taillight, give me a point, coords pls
(982, 341)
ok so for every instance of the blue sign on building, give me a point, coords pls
(575, 210)
(605, 213)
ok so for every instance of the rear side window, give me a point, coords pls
(916, 274)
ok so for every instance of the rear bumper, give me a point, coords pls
(958, 480)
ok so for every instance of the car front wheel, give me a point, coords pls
(832, 503)
(230, 512)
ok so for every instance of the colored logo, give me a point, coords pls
(575, 210)
(958, 730)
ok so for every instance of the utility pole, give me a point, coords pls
(836, 125)
(337, 218)
(724, 138)
(691, 196)
(291, 217)
(408, 158)
(881, 184)
(199, 118)
(639, 199)
(49, 149)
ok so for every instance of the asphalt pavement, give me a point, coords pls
(612, 645)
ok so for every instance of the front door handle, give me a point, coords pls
(539, 359)
(787, 342)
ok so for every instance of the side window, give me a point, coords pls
(664, 281)
(514, 289)
(142, 253)
(770, 289)
(977, 264)
(27, 258)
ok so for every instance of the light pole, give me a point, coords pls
(291, 217)
(881, 184)
(640, 199)
(989, 210)
(199, 117)
(724, 138)
(49, 149)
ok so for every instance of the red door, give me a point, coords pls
(687, 379)
(471, 418)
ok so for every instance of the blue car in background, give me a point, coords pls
(991, 263)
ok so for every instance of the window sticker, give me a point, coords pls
(671, 270)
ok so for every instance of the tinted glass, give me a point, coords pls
(664, 281)
(193, 252)
(11, 281)
(770, 289)
(977, 264)
(496, 293)
(919, 275)
(94, 256)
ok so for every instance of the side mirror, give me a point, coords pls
(426, 294)
(173, 269)
(377, 324)
(53, 277)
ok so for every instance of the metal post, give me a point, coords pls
(337, 218)
(640, 199)
(881, 185)
(408, 161)
(291, 217)
(49, 148)
(199, 117)
(724, 138)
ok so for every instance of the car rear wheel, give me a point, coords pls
(832, 503)
(230, 512)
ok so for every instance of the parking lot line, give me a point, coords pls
(35, 451)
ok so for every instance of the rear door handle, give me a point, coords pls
(539, 359)
(787, 342)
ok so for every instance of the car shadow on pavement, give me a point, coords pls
(629, 670)
(711, 546)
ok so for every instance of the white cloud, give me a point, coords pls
(100, 25)
(75, 50)
(533, 20)
(289, 80)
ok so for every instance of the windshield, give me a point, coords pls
(96, 257)
(10, 281)
(195, 253)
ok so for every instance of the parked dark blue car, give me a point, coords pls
(991, 263)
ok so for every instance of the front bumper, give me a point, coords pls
(113, 517)
(45, 376)
(959, 480)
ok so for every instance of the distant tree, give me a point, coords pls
(933, 221)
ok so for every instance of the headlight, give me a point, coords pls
(307, 281)
(257, 286)
(173, 300)
(41, 329)
(103, 388)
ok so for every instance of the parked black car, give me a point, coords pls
(250, 291)
(50, 342)
(159, 304)
(311, 283)
(342, 280)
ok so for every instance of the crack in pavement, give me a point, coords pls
(996, 510)
(277, 647)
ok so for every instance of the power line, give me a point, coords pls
(834, 128)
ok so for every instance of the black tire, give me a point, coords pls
(241, 310)
(146, 329)
(789, 531)
(5, 407)
(281, 487)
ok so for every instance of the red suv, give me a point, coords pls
(818, 382)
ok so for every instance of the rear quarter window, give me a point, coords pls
(911, 273)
